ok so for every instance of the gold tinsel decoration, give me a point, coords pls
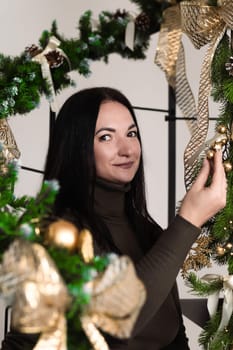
(198, 256)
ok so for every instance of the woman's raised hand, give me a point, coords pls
(201, 203)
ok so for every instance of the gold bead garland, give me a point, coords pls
(227, 246)
(218, 143)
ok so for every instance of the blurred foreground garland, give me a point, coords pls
(19, 220)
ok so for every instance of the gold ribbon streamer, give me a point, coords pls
(7, 138)
(45, 67)
(203, 24)
(171, 59)
(169, 43)
(116, 300)
(212, 303)
(40, 297)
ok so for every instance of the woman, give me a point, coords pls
(96, 155)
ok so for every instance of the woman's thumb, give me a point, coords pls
(203, 175)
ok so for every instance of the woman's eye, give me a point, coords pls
(133, 133)
(105, 137)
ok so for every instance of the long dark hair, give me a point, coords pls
(70, 160)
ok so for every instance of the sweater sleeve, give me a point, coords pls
(159, 268)
(19, 341)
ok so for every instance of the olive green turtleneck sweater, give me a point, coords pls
(160, 319)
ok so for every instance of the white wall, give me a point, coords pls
(21, 24)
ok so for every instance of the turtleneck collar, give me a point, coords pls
(109, 198)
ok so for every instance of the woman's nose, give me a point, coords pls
(124, 147)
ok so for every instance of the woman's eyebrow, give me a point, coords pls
(105, 129)
(112, 129)
(132, 126)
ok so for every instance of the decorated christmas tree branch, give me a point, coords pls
(23, 79)
(218, 332)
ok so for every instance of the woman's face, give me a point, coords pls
(117, 148)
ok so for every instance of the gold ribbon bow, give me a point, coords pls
(204, 25)
(116, 300)
(212, 302)
(45, 67)
(29, 277)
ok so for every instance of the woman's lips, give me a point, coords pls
(124, 165)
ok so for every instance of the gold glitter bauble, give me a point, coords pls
(217, 146)
(227, 166)
(210, 154)
(222, 129)
(63, 234)
(220, 250)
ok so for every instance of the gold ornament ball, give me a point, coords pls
(63, 234)
(221, 129)
(224, 140)
(217, 146)
(227, 166)
(229, 245)
(210, 154)
(220, 250)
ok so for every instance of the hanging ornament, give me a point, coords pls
(62, 234)
(229, 246)
(220, 250)
(65, 234)
(219, 140)
(229, 66)
(142, 22)
(210, 154)
(222, 129)
(227, 166)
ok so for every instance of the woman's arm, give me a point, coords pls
(159, 268)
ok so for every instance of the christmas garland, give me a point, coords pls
(22, 81)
